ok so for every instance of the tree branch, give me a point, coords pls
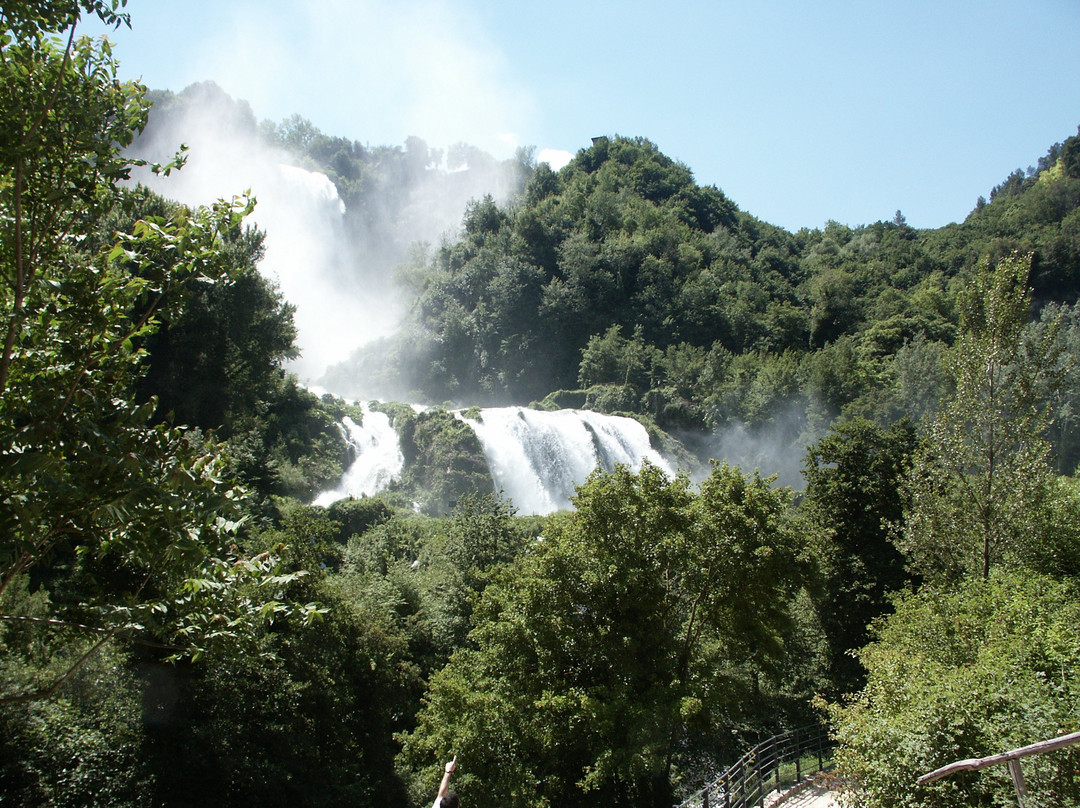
(108, 632)
(44, 694)
(32, 129)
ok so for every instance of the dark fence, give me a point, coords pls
(779, 762)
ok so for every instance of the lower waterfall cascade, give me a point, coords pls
(537, 458)
(377, 458)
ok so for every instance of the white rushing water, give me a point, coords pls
(378, 459)
(537, 458)
(308, 253)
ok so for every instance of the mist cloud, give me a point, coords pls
(336, 269)
(779, 448)
(556, 158)
(306, 254)
(428, 62)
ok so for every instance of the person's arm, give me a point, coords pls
(444, 786)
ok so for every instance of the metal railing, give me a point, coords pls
(1011, 758)
(782, 760)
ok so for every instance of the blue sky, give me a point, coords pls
(801, 112)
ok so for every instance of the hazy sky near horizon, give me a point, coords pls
(801, 112)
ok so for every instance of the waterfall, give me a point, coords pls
(316, 265)
(377, 458)
(538, 458)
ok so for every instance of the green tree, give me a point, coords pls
(615, 359)
(86, 748)
(214, 383)
(615, 646)
(834, 305)
(980, 479)
(128, 522)
(481, 535)
(852, 496)
(1065, 401)
(977, 670)
(308, 719)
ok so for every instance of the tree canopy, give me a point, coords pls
(178, 624)
(644, 615)
(129, 522)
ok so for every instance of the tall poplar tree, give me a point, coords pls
(981, 476)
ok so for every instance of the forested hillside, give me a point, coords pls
(180, 626)
(622, 285)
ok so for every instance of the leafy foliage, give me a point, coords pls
(620, 651)
(128, 522)
(608, 276)
(613, 642)
(85, 748)
(852, 496)
(977, 487)
(970, 672)
(973, 662)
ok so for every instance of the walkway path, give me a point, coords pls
(811, 794)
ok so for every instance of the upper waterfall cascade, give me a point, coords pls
(536, 458)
